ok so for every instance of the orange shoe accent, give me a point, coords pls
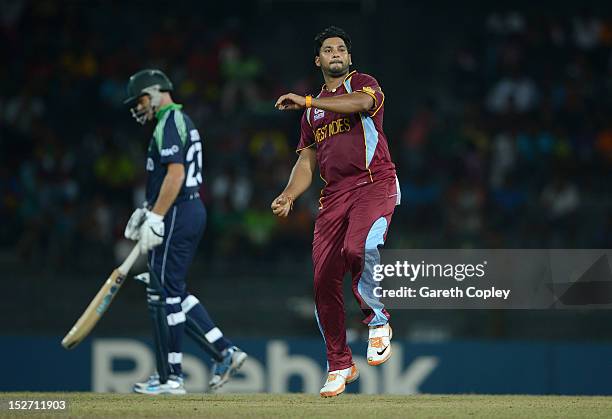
(353, 376)
(376, 343)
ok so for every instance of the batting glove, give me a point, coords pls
(151, 231)
(132, 229)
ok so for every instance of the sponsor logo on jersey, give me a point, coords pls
(165, 152)
(150, 165)
(318, 114)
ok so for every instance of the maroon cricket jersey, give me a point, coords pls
(352, 149)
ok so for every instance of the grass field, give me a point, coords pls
(311, 406)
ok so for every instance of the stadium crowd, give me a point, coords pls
(511, 148)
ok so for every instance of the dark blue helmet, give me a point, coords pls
(146, 82)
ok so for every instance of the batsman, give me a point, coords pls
(168, 228)
(342, 131)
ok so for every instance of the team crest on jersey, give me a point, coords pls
(318, 114)
(150, 165)
(368, 89)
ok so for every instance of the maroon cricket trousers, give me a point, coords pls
(348, 230)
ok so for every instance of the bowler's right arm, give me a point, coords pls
(299, 180)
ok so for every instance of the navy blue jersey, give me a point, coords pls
(175, 140)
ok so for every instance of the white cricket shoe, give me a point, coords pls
(379, 344)
(337, 380)
(174, 385)
(152, 381)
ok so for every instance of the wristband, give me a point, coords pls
(308, 101)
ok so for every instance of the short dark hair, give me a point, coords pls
(331, 32)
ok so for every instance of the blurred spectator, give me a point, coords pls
(561, 201)
(233, 189)
(466, 204)
(514, 93)
(240, 74)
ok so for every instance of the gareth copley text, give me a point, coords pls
(455, 292)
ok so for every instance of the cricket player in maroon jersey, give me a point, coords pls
(342, 129)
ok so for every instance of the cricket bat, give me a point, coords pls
(100, 303)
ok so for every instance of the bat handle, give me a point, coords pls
(125, 267)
